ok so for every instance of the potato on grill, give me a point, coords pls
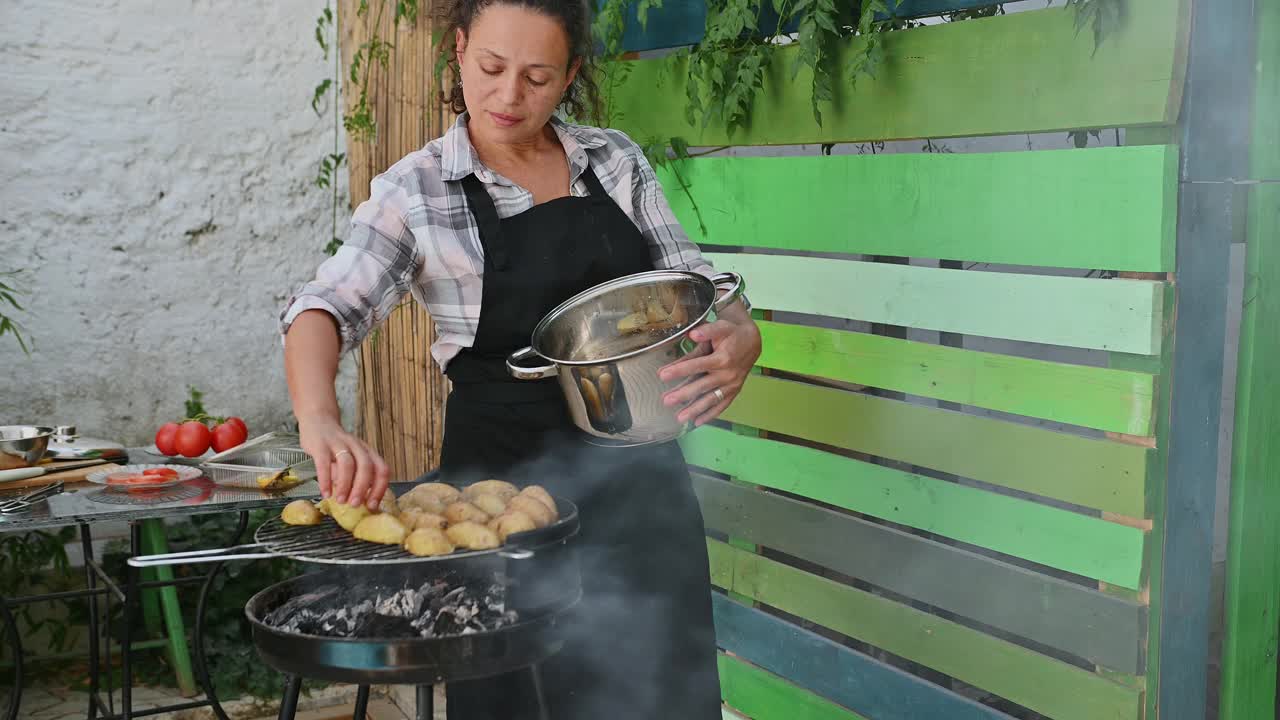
(415, 518)
(537, 492)
(388, 504)
(301, 512)
(381, 528)
(538, 512)
(464, 511)
(511, 522)
(501, 488)
(427, 542)
(472, 536)
(348, 516)
(490, 504)
(421, 501)
(442, 493)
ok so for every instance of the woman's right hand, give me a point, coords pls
(349, 471)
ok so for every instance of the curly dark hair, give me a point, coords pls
(581, 100)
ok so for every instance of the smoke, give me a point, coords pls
(641, 643)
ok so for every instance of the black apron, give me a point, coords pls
(642, 644)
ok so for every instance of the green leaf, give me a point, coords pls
(681, 147)
(195, 403)
(321, 90)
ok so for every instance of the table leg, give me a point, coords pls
(201, 662)
(153, 543)
(15, 640)
(126, 631)
(91, 583)
(426, 702)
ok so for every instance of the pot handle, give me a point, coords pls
(528, 373)
(732, 282)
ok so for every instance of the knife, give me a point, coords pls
(32, 472)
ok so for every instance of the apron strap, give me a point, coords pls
(594, 186)
(486, 216)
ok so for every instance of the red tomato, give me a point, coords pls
(237, 421)
(126, 479)
(162, 473)
(228, 435)
(193, 438)
(165, 437)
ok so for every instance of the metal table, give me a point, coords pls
(85, 504)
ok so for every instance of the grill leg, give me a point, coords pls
(426, 702)
(543, 712)
(362, 703)
(289, 703)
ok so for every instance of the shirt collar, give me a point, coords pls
(458, 157)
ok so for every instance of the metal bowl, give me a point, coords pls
(23, 445)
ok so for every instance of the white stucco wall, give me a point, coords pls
(156, 167)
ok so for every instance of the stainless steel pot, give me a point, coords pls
(607, 343)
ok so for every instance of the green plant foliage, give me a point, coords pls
(9, 297)
(234, 665)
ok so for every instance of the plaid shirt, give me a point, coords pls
(416, 233)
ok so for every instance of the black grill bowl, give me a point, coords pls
(401, 661)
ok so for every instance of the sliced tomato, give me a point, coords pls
(163, 472)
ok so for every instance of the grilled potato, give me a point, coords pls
(534, 508)
(428, 542)
(491, 504)
(381, 528)
(443, 493)
(460, 512)
(348, 516)
(511, 522)
(421, 501)
(301, 512)
(539, 493)
(472, 536)
(501, 488)
(417, 518)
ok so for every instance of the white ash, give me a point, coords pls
(437, 608)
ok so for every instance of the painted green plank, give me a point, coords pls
(1101, 398)
(1121, 315)
(1253, 576)
(1157, 471)
(835, 672)
(1098, 208)
(1048, 686)
(1025, 72)
(1093, 473)
(1056, 613)
(763, 696)
(1042, 534)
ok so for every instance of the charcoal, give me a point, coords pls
(440, 607)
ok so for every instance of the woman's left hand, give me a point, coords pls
(728, 348)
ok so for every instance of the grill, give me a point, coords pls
(328, 544)
(537, 570)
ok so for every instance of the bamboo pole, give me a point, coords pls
(401, 392)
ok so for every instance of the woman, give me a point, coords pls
(508, 214)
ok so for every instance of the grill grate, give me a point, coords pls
(328, 543)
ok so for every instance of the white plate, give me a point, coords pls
(185, 473)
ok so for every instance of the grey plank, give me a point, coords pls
(1078, 620)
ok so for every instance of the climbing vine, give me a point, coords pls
(357, 120)
(726, 67)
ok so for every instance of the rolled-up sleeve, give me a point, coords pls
(371, 271)
(669, 245)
